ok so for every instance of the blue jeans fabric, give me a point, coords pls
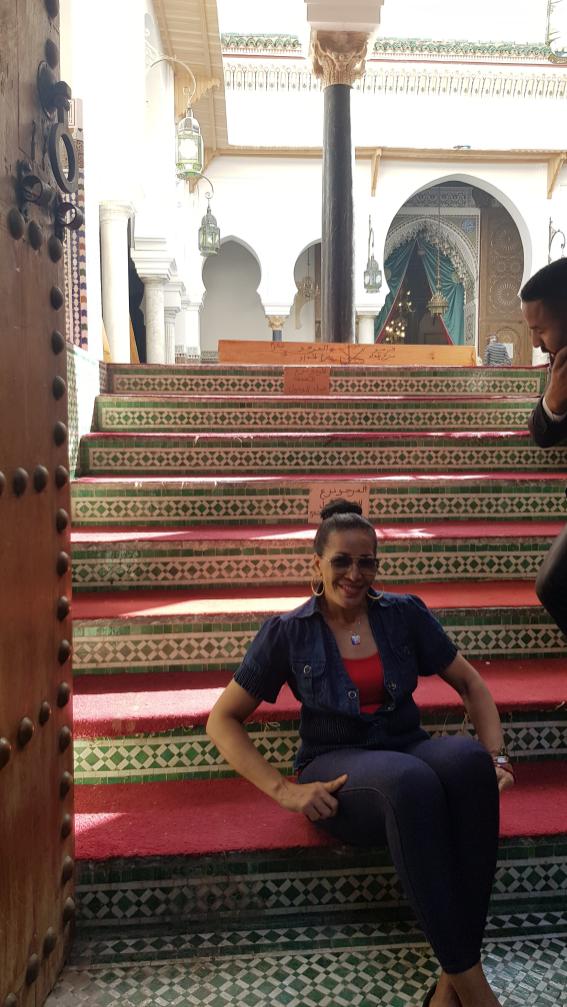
(436, 805)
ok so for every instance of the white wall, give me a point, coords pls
(232, 308)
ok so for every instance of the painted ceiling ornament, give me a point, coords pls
(338, 57)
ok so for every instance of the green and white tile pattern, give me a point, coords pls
(146, 564)
(218, 380)
(106, 646)
(195, 414)
(102, 455)
(338, 883)
(188, 754)
(273, 500)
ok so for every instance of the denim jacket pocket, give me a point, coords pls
(405, 665)
(311, 678)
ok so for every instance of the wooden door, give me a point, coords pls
(36, 793)
(501, 268)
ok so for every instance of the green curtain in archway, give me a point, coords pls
(397, 264)
(396, 267)
(454, 317)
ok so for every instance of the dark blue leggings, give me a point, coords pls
(436, 805)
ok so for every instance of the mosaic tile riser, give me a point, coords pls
(173, 566)
(149, 645)
(309, 882)
(184, 754)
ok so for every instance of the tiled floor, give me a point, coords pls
(343, 968)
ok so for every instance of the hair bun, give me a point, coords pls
(340, 506)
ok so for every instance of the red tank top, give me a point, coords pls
(367, 674)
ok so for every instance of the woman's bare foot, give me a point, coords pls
(445, 995)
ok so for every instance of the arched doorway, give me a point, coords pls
(465, 235)
(232, 308)
(304, 321)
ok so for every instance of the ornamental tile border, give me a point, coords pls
(103, 503)
(184, 754)
(276, 459)
(107, 646)
(203, 380)
(112, 414)
(136, 565)
(246, 887)
(503, 50)
(106, 946)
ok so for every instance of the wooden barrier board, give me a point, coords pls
(252, 351)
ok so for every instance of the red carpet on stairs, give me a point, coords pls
(266, 600)
(276, 533)
(115, 705)
(189, 818)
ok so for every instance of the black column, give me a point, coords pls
(337, 246)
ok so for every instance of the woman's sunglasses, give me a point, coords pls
(366, 564)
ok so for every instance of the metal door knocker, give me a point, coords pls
(69, 216)
(66, 174)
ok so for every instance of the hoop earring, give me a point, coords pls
(321, 592)
(375, 597)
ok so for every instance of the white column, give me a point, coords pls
(155, 319)
(170, 316)
(366, 327)
(173, 293)
(114, 219)
(188, 329)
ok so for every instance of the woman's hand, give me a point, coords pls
(314, 800)
(505, 779)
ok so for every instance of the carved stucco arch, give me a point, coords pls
(467, 178)
(460, 251)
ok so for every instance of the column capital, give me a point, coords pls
(111, 210)
(339, 57)
(276, 322)
(151, 257)
(153, 280)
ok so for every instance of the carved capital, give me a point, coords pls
(338, 56)
(276, 322)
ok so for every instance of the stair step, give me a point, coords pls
(209, 413)
(276, 453)
(139, 727)
(185, 818)
(168, 558)
(536, 935)
(209, 631)
(396, 499)
(219, 379)
(208, 853)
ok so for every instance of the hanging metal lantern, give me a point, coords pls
(209, 233)
(190, 149)
(438, 304)
(372, 273)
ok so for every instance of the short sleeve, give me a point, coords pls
(266, 665)
(435, 649)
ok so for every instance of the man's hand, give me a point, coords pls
(556, 391)
(315, 800)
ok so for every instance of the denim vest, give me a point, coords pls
(299, 648)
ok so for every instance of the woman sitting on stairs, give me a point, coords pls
(367, 771)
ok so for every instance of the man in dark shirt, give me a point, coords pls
(544, 306)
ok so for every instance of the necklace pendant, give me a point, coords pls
(355, 639)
